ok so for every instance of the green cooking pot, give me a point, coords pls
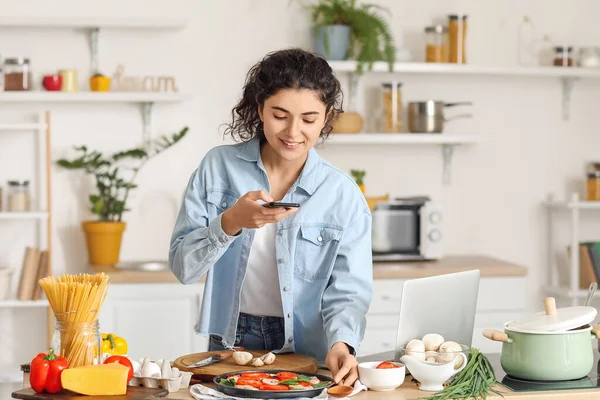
(545, 356)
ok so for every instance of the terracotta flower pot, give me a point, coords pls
(103, 241)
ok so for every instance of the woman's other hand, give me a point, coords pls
(342, 364)
(248, 213)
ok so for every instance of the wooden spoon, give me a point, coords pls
(340, 391)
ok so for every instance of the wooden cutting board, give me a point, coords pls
(288, 361)
(133, 393)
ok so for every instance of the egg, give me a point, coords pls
(151, 370)
(137, 368)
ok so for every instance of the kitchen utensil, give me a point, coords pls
(557, 346)
(260, 394)
(339, 391)
(212, 359)
(590, 296)
(381, 380)
(133, 393)
(289, 361)
(428, 116)
(432, 375)
(555, 320)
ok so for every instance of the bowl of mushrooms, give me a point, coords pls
(432, 360)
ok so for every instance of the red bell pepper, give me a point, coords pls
(45, 372)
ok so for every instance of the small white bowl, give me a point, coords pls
(381, 380)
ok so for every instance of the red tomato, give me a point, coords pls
(123, 361)
(274, 387)
(255, 375)
(284, 376)
(387, 364)
(305, 384)
(249, 382)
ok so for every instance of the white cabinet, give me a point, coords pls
(500, 299)
(156, 319)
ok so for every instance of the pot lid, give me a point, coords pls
(553, 319)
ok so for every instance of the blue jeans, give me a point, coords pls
(254, 333)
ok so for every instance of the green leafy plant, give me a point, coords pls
(113, 187)
(370, 34)
(475, 381)
(358, 176)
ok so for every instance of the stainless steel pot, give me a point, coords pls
(428, 116)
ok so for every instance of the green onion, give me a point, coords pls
(303, 378)
(321, 384)
(474, 381)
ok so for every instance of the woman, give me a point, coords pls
(281, 279)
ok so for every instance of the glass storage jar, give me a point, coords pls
(563, 56)
(436, 47)
(392, 95)
(592, 192)
(17, 196)
(589, 57)
(80, 343)
(457, 33)
(17, 74)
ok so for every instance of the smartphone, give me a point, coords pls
(274, 204)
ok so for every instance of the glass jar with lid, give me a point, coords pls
(457, 34)
(392, 107)
(18, 197)
(17, 74)
(79, 342)
(563, 56)
(436, 47)
(592, 192)
(589, 57)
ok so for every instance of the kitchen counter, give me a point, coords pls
(489, 267)
(409, 391)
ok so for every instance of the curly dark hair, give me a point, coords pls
(284, 69)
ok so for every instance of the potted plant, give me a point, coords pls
(343, 30)
(99, 83)
(114, 176)
(358, 178)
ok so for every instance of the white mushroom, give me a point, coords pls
(432, 341)
(257, 362)
(242, 357)
(416, 348)
(268, 358)
(431, 356)
(314, 380)
(448, 351)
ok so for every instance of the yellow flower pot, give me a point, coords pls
(99, 83)
(103, 240)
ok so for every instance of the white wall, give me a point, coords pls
(492, 206)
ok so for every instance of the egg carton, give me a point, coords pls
(172, 384)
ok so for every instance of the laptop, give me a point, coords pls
(443, 304)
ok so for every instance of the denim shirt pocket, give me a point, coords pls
(219, 200)
(316, 249)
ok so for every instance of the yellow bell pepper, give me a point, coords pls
(99, 83)
(113, 344)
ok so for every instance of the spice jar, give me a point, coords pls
(563, 56)
(592, 192)
(17, 196)
(392, 106)
(436, 49)
(457, 33)
(79, 342)
(17, 74)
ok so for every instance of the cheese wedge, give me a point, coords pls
(96, 380)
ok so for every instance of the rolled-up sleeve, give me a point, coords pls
(196, 243)
(350, 289)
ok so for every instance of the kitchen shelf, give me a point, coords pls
(468, 69)
(24, 215)
(92, 23)
(22, 127)
(400, 138)
(567, 75)
(23, 303)
(90, 97)
(10, 374)
(574, 207)
(447, 141)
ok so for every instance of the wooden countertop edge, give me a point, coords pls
(488, 266)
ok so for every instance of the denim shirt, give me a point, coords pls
(323, 250)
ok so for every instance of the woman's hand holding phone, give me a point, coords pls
(247, 212)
